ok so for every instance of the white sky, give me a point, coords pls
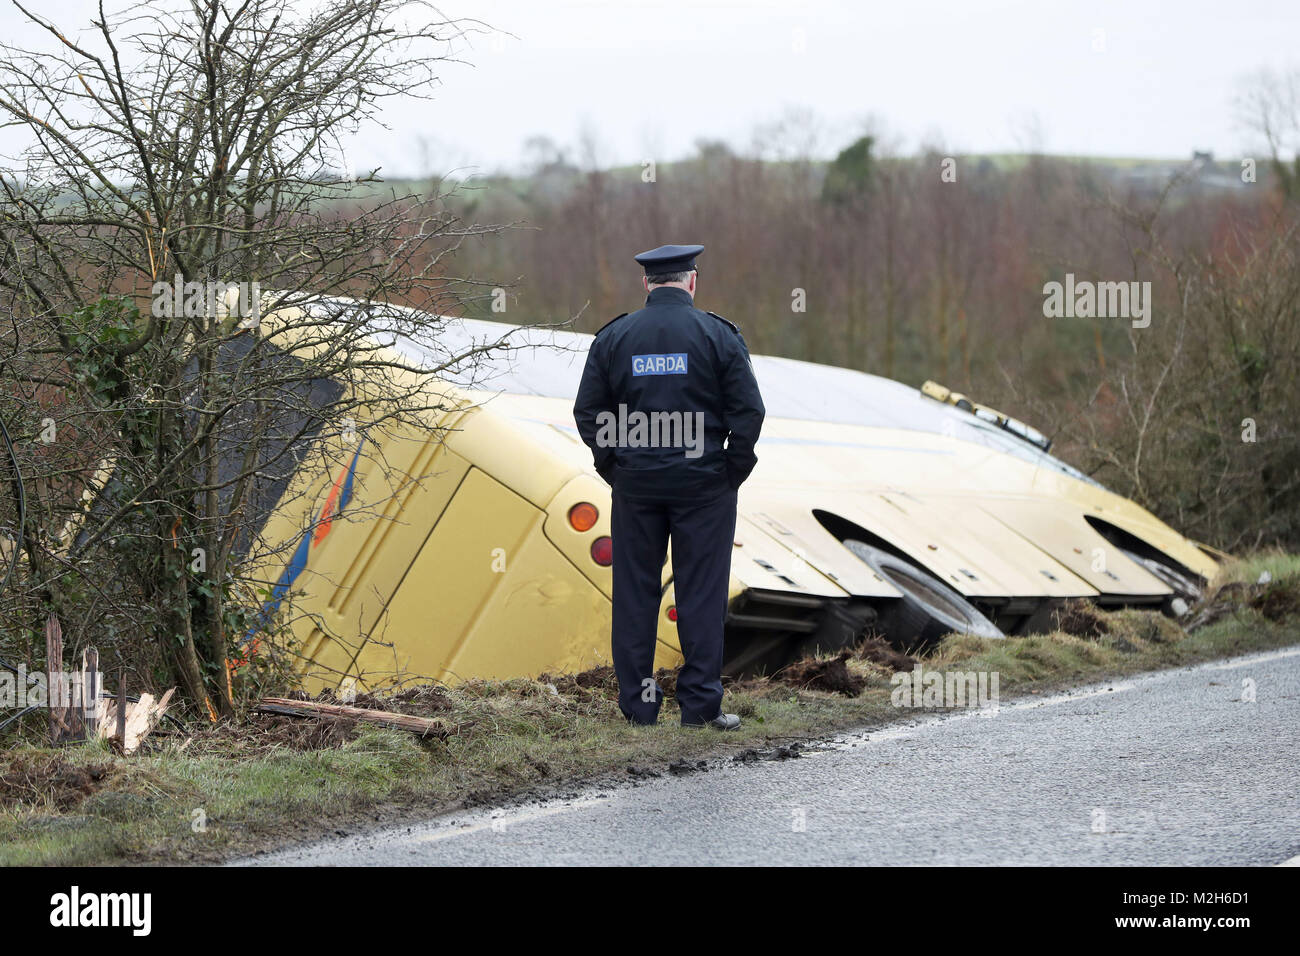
(647, 78)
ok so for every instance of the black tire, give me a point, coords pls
(928, 608)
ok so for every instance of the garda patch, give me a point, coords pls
(672, 363)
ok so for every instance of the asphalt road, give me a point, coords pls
(1178, 767)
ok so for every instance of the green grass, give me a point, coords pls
(272, 781)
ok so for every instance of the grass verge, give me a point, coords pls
(269, 781)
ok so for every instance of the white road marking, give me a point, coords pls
(499, 820)
(1261, 658)
(929, 720)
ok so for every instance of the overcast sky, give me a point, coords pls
(646, 79)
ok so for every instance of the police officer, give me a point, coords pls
(670, 409)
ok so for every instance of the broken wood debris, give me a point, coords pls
(78, 709)
(127, 726)
(420, 726)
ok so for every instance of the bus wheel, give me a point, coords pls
(928, 608)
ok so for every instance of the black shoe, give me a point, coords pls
(720, 722)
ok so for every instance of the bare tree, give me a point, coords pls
(175, 149)
(1268, 105)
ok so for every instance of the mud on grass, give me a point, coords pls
(269, 780)
(48, 778)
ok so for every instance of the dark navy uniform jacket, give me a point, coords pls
(670, 357)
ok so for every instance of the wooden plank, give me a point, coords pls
(65, 722)
(421, 726)
(121, 706)
(90, 690)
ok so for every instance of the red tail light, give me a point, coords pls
(602, 551)
(583, 515)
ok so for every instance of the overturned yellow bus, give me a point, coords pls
(480, 545)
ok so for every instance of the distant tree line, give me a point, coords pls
(934, 267)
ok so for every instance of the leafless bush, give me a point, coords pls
(199, 142)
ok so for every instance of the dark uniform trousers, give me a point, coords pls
(702, 532)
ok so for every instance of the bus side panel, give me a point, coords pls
(545, 617)
(488, 596)
(354, 568)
